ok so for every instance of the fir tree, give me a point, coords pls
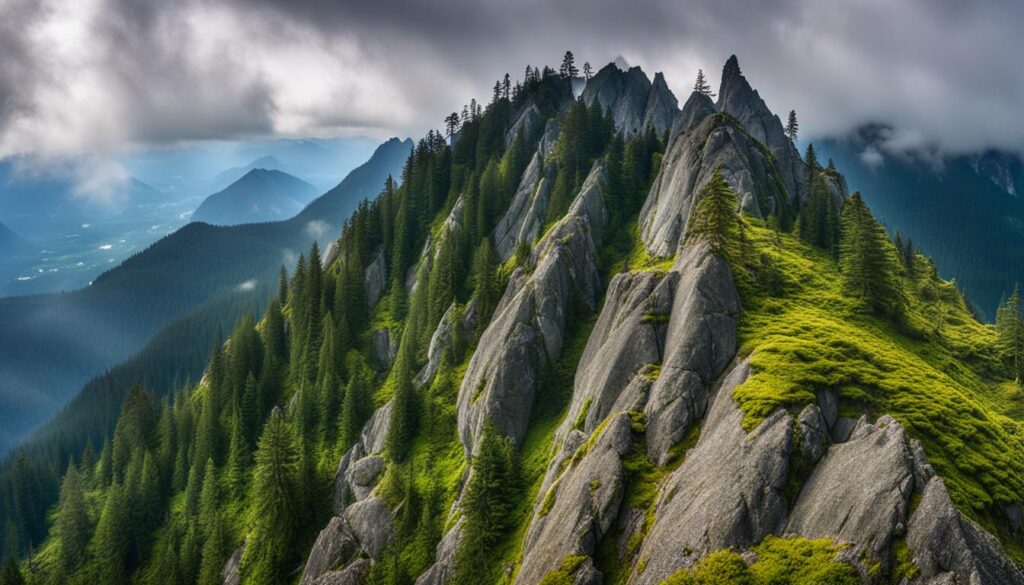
(488, 500)
(867, 260)
(701, 86)
(587, 71)
(568, 69)
(110, 542)
(11, 575)
(402, 428)
(486, 290)
(716, 220)
(238, 458)
(792, 127)
(273, 505)
(72, 522)
(1010, 331)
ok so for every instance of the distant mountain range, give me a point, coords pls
(967, 212)
(259, 195)
(9, 240)
(52, 344)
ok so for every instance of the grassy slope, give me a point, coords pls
(937, 374)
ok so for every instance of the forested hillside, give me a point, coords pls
(569, 348)
(53, 344)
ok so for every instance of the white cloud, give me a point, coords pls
(247, 285)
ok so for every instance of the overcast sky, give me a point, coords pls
(97, 76)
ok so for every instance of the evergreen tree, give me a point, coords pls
(110, 542)
(792, 127)
(209, 498)
(489, 499)
(1010, 330)
(867, 260)
(273, 505)
(238, 458)
(72, 522)
(587, 71)
(716, 220)
(701, 86)
(213, 552)
(402, 429)
(486, 288)
(11, 575)
(568, 69)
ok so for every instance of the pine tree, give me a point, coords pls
(11, 575)
(701, 86)
(568, 69)
(792, 127)
(488, 500)
(213, 552)
(402, 429)
(238, 458)
(110, 542)
(486, 290)
(209, 498)
(273, 505)
(1010, 330)
(867, 260)
(72, 522)
(716, 220)
(587, 71)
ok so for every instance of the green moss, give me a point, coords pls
(581, 418)
(903, 562)
(549, 500)
(794, 561)
(564, 574)
(940, 379)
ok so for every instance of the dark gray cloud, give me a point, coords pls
(94, 75)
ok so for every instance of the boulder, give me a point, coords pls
(860, 491)
(943, 541)
(439, 342)
(334, 543)
(814, 438)
(370, 524)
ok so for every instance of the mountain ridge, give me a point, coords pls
(260, 195)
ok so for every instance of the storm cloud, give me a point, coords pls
(87, 76)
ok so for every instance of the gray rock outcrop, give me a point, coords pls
(528, 327)
(526, 214)
(738, 99)
(728, 493)
(584, 503)
(375, 279)
(634, 102)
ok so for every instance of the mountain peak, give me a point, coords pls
(732, 68)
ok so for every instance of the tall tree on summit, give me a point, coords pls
(792, 127)
(451, 124)
(568, 69)
(701, 86)
(588, 71)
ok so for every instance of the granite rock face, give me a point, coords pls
(527, 212)
(528, 326)
(375, 279)
(634, 102)
(702, 141)
(586, 500)
(728, 493)
(738, 99)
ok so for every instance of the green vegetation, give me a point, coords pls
(936, 370)
(714, 219)
(565, 573)
(796, 561)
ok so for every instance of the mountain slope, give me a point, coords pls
(260, 195)
(228, 176)
(90, 330)
(958, 214)
(10, 241)
(654, 391)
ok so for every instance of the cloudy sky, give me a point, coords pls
(89, 76)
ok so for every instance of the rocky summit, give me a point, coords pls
(593, 340)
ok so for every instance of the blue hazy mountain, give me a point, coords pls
(52, 344)
(259, 195)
